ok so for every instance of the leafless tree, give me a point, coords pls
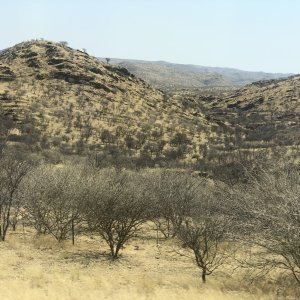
(270, 208)
(175, 197)
(12, 172)
(206, 233)
(54, 200)
(63, 43)
(116, 208)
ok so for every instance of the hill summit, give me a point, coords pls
(64, 98)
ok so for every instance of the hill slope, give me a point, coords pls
(64, 98)
(281, 95)
(170, 76)
(262, 115)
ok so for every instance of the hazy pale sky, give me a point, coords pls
(255, 35)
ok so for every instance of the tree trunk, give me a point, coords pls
(112, 250)
(119, 245)
(73, 233)
(203, 276)
(14, 223)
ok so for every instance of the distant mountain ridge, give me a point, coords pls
(171, 76)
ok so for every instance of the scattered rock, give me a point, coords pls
(6, 74)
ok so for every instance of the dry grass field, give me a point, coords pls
(39, 268)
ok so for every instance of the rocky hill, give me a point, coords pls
(65, 99)
(170, 76)
(276, 96)
(261, 116)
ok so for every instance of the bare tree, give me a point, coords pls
(54, 200)
(175, 194)
(271, 216)
(12, 172)
(16, 212)
(206, 232)
(206, 237)
(63, 43)
(116, 208)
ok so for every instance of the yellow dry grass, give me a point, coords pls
(61, 110)
(39, 268)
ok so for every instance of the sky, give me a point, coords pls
(254, 35)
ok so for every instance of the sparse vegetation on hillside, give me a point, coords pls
(260, 120)
(64, 99)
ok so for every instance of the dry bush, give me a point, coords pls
(6, 124)
(270, 213)
(174, 196)
(12, 172)
(116, 207)
(54, 200)
(206, 231)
